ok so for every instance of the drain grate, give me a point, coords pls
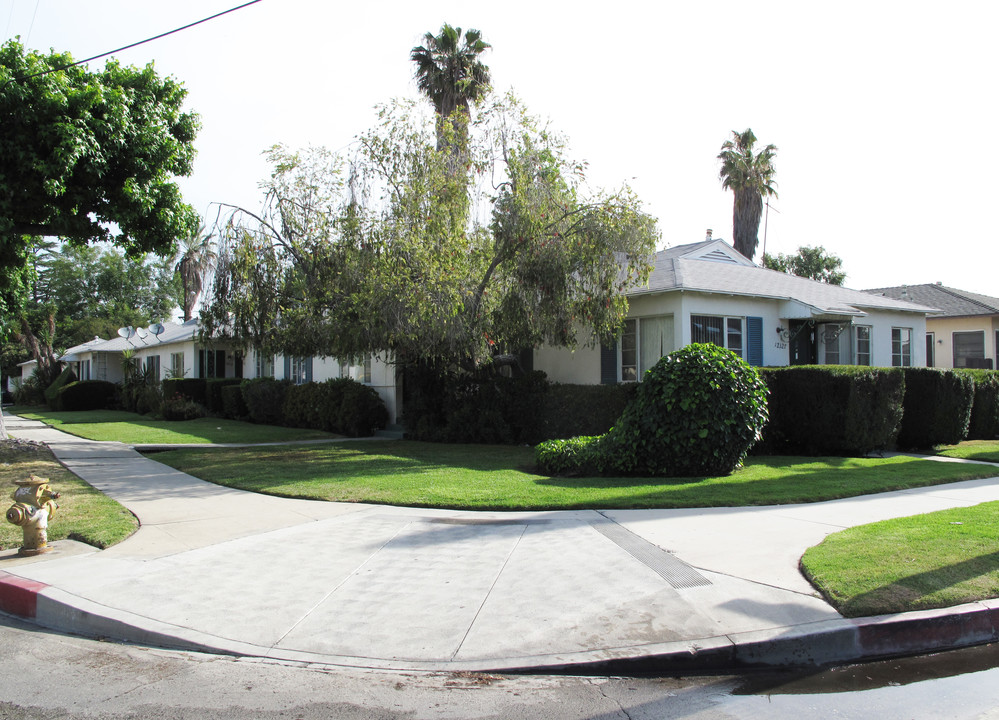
(670, 568)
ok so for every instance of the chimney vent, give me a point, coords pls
(708, 235)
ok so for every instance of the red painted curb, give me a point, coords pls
(19, 596)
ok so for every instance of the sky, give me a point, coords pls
(880, 110)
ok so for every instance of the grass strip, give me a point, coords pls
(927, 561)
(983, 450)
(134, 429)
(491, 477)
(84, 514)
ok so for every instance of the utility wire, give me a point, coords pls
(136, 44)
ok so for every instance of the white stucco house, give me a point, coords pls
(708, 292)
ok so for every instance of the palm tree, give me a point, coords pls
(450, 73)
(196, 259)
(750, 177)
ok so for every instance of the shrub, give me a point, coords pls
(362, 411)
(28, 391)
(233, 405)
(572, 456)
(213, 392)
(936, 409)
(51, 392)
(87, 395)
(264, 399)
(179, 407)
(192, 388)
(984, 421)
(831, 410)
(696, 412)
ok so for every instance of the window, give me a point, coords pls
(211, 363)
(862, 345)
(84, 373)
(643, 342)
(931, 350)
(177, 365)
(830, 336)
(968, 346)
(297, 375)
(723, 331)
(901, 347)
(264, 366)
(361, 372)
(153, 367)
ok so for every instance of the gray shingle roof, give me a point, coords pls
(172, 333)
(679, 268)
(951, 301)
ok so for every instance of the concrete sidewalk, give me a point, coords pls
(227, 571)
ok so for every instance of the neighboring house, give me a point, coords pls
(964, 334)
(176, 352)
(708, 292)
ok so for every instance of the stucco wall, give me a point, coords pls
(944, 329)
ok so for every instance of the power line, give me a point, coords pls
(136, 44)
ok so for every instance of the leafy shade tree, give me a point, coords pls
(196, 258)
(750, 176)
(373, 253)
(90, 156)
(450, 73)
(810, 262)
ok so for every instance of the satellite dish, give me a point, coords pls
(126, 332)
(142, 333)
(156, 328)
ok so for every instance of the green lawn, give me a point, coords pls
(84, 513)
(503, 477)
(914, 563)
(134, 429)
(985, 450)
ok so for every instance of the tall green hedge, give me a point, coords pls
(86, 395)
(832, 410)
(569, 411)
(937, 407)
(264, 398)
(191, 388)
(984, 421)
(213, 393)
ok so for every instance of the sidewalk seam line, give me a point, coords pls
(492, 586)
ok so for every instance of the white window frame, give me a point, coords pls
(177, 367)
(263, 365)
(727, 326)
(631, 366)
(901, 347)
(297, 370)
(152, 363)
(859, 355)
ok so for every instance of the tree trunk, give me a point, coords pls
(3, 427)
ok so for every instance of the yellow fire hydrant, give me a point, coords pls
(34, 505)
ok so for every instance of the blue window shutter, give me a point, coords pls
(287, 367)
(308, 369)
(608, 364)
(754, 340)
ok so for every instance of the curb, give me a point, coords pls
(829, 642)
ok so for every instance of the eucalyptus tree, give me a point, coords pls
(750, 177)
(389, 251)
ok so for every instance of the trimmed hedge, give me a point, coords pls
(936, 409)
(984, 422)
(341, 405)
(264, 398)
(477, 407)
(191, 388)
(831, 410)
(233, 405)
(572, 411)
(213, 393)
(86, 395)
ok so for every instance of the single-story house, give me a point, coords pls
(708, 292)
(965, 332)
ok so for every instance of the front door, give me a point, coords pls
(801, 346)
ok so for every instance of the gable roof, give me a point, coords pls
(172, 333)
(713, 266)
(950, 301)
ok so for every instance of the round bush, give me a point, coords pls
(696, 412)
